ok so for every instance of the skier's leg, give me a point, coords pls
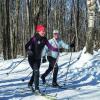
(54, 81)
(46, 73)
(50, 68)
(30, 60)
(32, 79)
(36, 74)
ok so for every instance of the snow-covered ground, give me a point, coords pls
(79, 73)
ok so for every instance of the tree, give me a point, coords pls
(19, 17)
(6, 45)
(91, 5)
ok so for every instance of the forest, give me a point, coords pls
(76, 20)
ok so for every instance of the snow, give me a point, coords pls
(81, 80)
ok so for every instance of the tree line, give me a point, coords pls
(77, 20)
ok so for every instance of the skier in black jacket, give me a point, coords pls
(34, 49)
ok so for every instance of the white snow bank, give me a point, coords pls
(85, 57)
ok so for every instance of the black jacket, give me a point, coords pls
(36, 45)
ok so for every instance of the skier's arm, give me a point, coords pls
(51, 47)
(28, 45)
(28, 48)
(64, 45)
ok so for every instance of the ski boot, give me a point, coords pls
(43, 79)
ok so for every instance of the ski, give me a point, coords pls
(47, 96)
(60, 87)
(43, 95)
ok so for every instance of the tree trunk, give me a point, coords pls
(6, 30)
(15, 44)
(3, 22)
(91, 4)
(76, 26)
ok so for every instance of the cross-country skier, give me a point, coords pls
(52, 56)
(34, 49)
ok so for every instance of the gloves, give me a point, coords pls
(61, 50)
(44, 59)
(30, 53)
(72, 45)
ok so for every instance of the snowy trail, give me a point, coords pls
(83, 82)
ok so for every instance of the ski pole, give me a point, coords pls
(49, 79)
(26, 76)
(21, 70)
(70, 64)
(48, 82)
(68, 67)
(15, 66)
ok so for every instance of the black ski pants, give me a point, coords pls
(35, 65)
(52, 66)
